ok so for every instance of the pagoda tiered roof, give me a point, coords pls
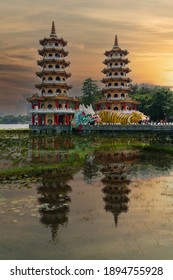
(54, 49)
(116, 59)
(114, 68)
(60, 72)
(59, 60)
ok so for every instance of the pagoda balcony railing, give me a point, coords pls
(120, 67)
(116, 76)
(115, 98)
(53, 69)
(51, 83)
(52, 46)
(116, 56)
(52, 57)
(117, 87)
(53, 110)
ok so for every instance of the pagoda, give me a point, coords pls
(51, 106)
(115, 94)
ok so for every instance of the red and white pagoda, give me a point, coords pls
(51, 106)
(115, 94)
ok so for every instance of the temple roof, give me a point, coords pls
(116, 42)
(53, 37)
(53, 31)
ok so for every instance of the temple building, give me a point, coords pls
(51, 105)
(115, 93)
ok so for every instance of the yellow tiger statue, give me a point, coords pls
(109, 116)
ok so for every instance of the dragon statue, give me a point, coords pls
(83, 116)
(86, 115)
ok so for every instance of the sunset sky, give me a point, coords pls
(144, 28)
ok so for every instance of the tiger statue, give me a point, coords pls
(109, 116)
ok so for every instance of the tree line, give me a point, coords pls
(11, 119)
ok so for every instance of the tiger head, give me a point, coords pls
(136, 117)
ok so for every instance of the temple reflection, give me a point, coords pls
(116, 168)
(115, 190)
(54, 199)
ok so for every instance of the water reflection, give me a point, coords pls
(90, 168)
(54, 200)
(116, 182)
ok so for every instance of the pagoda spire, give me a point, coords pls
(116, 41)
(53, 31)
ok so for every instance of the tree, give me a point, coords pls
(91, 92)
(156, 102)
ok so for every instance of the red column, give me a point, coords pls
(33, 119)
(57, 119)
(39, 119)
(67, 119)
(44, 119)
(57, 104)
(125, 107)
(38, 104)
(32, 105)
(67, 105)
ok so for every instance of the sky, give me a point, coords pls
(144, 28)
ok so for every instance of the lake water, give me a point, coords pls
(93, 197)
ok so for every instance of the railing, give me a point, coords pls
(117, 87)
(53, 110)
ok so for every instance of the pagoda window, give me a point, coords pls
(42, 106)
(122, 84)
(50, 91)
(58, 91)
(116, 108)
(57, 55)
(49, 106)
(116, 84)
(58, 79)
(109, 107)
(43, 91)
(43, 79)
(123, 95)
(115, 95)
(122, 74)
(110, 74)
(121, 64)
(110, 64)
(50, 79)
(64, 91)
(50, 66)
(60, 106)
(57, 66)
(121, 54)
(109, 85)
(116, 64)
(109, 95)
(63, 79)
(50, 54)
(56, 44)
(122, 108)
(116, 74)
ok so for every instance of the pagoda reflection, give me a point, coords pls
(54, 200)
(116, 189)
(117, 177)
(51, 149)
